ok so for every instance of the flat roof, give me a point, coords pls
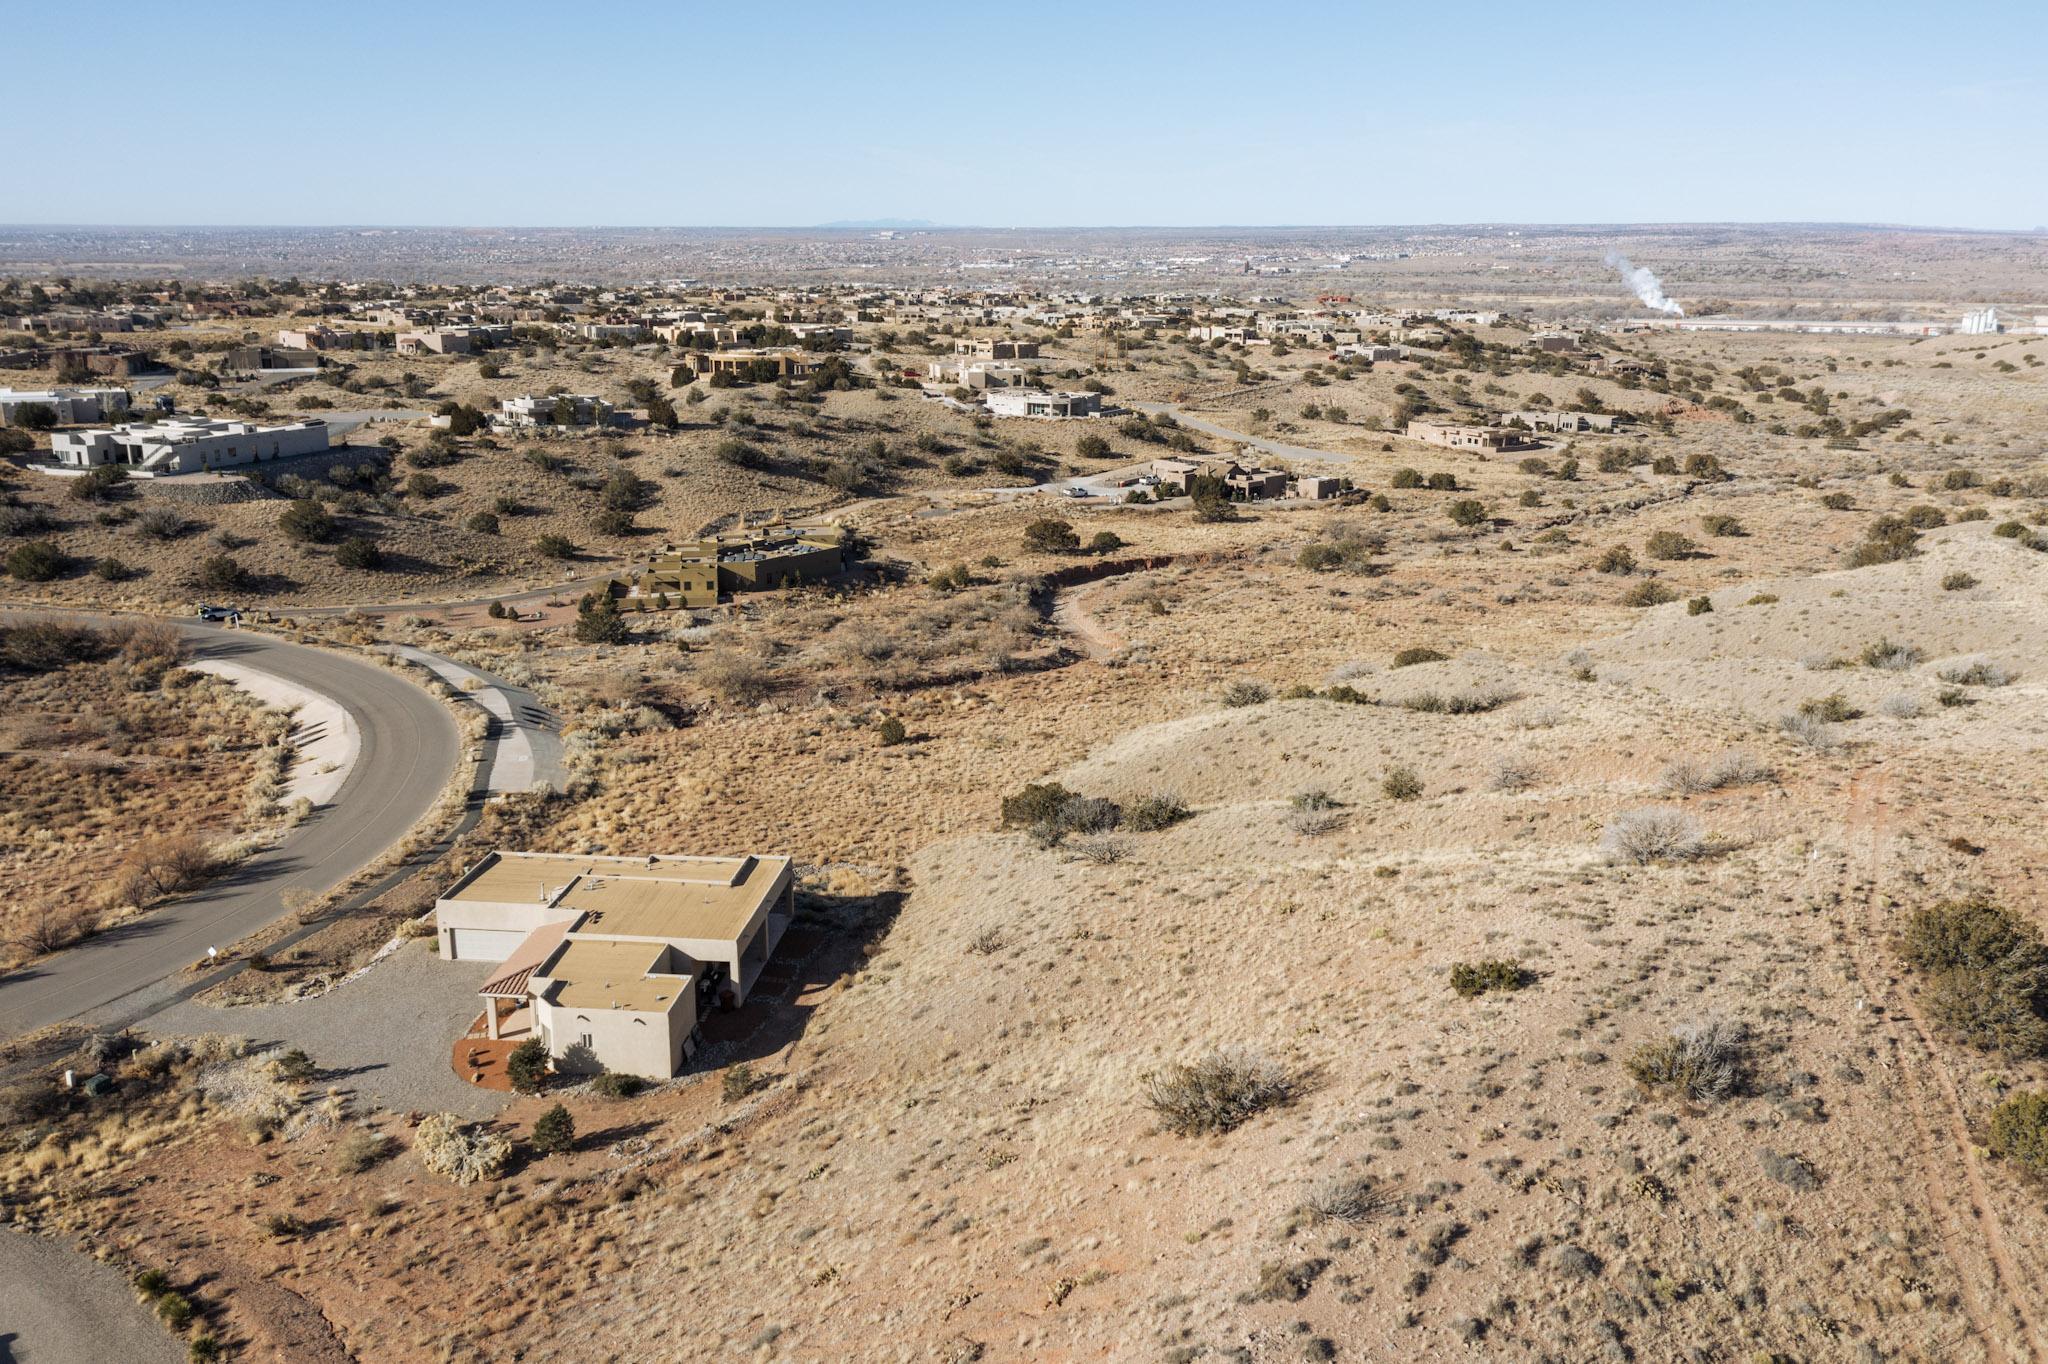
(631, 905)
(660, 897)
(613, 975)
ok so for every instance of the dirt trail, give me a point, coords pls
(1997, 1295)
(1072, 613)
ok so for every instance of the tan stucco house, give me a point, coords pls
(611, 960)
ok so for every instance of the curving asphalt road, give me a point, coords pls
(409, 746)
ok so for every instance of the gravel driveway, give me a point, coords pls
(388, 1034)
(64, 1307)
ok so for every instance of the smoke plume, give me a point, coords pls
(1645, 284)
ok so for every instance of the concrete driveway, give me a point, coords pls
(387, 1033)
(529, 749)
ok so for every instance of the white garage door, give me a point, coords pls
(485, 944)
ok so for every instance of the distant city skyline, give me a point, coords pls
(1188, 115)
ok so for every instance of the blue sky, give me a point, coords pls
(1032, 114)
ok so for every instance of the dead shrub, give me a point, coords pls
(360, 1150)
(737, 678)
(1513, 772)
(1699, 1062)
(1654, 833)
(1217, 1092)
(465, 1154)
(1350, 1200)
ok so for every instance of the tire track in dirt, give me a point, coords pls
(1995, 1291)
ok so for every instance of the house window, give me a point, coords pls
(585, 1041)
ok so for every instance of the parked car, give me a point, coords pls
(229, 614)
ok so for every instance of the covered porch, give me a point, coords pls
(507, 1018)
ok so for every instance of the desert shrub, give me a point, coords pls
(1407, 478)
(1401, 783)
(1809, 730)
(2019, 1131)
(736, 677)
(1149, 814)
(360, 552)
(1699, 1062)
(891, 732)
(295, 1066)
(1474, 978)
(1350, 1199)
(1790, 1171)
(1834, 709)
(1512, 772)
(1649, 592)
(1958, 581)
(527, 1066)
(553, 1132)
(1616, 559)
(44, 646)
(1975, 672)
(1239, 694)
(1986, 973)
(1467, 512)
(1890, 657)
(1457, 702)
(360, 1150)
(1104, 542)
(738, 1082)
(1837, 501)
(1901, 706)
(451, 1148)
(1699, 606)
(161, 523)
(1216, 1092)
(283, 1226)
(1050, 535)
(1669, 544)
(1887, 540)
(306, 521)
(175, 1310)
(616, 1084)
(1037, 803)
(1409, 657)
(1319, 558)
(223, 573)
(1721, 526)
(1654, 833)
(35, 561)
(554, 547)
(1102, 852)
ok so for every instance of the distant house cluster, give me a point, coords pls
(701, 572)
(1177, 477)
(612, 961)
(329, 338)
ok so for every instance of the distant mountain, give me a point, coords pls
(876, 225)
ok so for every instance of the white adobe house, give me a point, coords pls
(72, 405)
(547, 409)
(1039, 402)
(186, 445)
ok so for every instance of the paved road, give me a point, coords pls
(61, 1307)
(409, 748)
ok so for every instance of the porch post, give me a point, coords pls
(491, 1017)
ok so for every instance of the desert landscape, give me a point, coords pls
(1570, 898)
(1118, 684)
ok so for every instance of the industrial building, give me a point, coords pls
(611, 961)
(186, 445)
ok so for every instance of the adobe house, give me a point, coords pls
(700, 572)
(1454, 437)
(612, 960)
